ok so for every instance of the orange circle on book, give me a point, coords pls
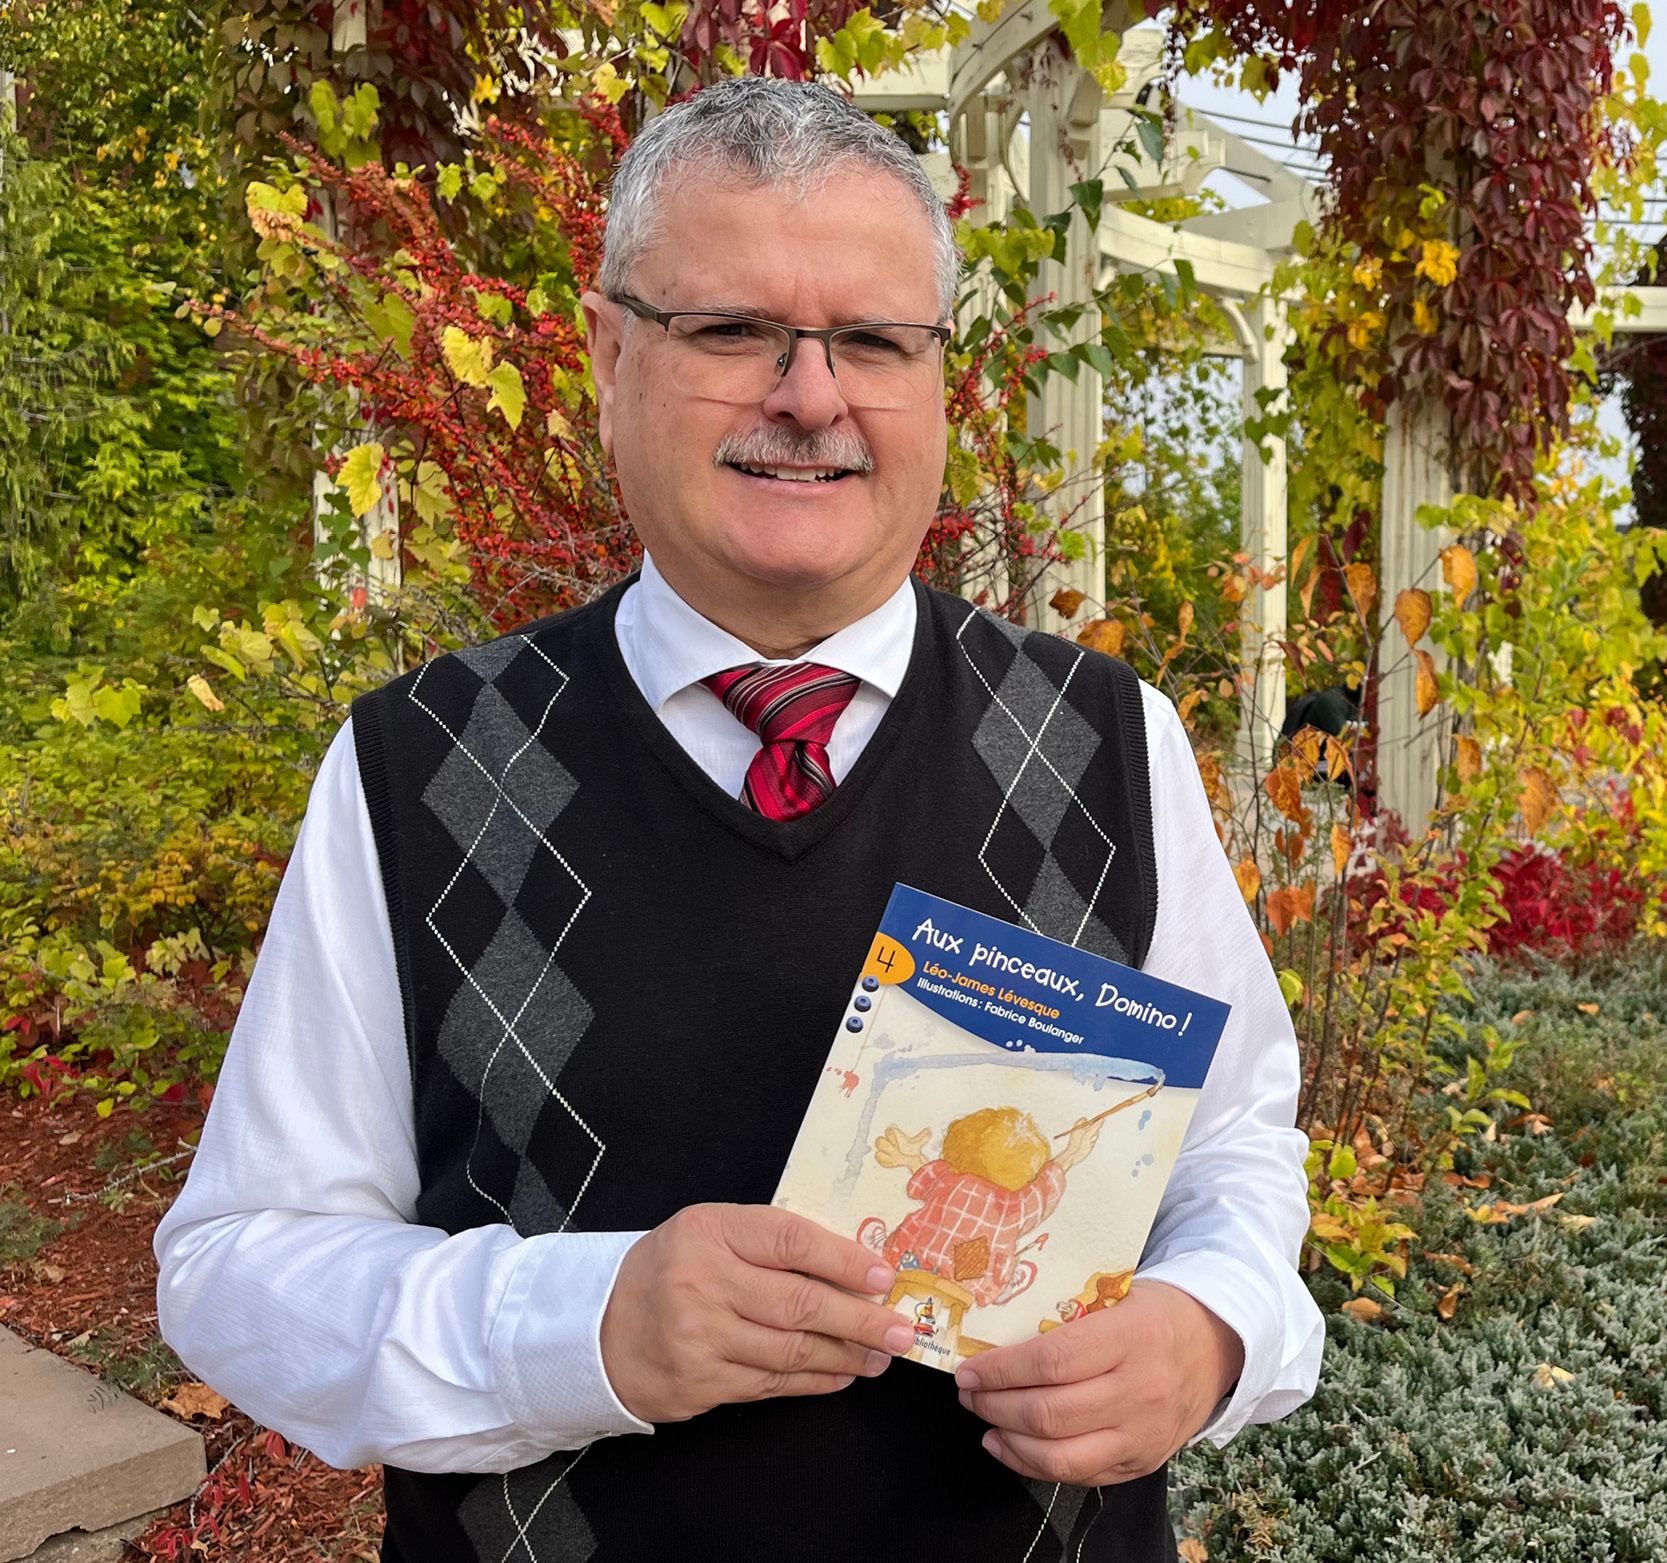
(888, 961)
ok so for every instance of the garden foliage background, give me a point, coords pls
(293, 394)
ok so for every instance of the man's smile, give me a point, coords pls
(792, 474)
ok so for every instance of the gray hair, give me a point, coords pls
(772, 133)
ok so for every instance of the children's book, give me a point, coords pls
(998, 1117)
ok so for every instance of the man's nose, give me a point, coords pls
(807, 392)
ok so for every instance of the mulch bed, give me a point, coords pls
(80, 1197)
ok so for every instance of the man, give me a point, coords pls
(483, 1193)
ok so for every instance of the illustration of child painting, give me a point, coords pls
(995, 1181)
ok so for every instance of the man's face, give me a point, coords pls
(859, 249)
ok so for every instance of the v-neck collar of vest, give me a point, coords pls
(789, 839)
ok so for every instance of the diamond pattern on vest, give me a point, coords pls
(506, 1515)
(516, 1018)
(1045, 851)
(1060, 1503)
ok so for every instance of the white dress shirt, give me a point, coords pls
(293, 1275)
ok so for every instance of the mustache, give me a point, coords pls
(786, 445)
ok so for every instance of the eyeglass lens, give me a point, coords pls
(725, 359)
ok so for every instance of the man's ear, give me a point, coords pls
(605, 332)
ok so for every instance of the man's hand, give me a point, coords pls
(1108, 1397)
(732, 1302)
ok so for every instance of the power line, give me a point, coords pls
(1245, 119)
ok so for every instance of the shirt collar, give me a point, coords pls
(668, 646)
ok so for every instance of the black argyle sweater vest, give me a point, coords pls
(619, 988)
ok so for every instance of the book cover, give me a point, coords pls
(998, 1117)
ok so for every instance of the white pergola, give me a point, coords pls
(1028, 122)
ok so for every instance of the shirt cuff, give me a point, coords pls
(1274, 1380)
(546, 1344)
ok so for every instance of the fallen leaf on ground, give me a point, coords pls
(1363, 1308)
(72, 1138)
(1192, 1551)
(1522, 1015)
(1588, 1009)
(1458, 1261)
(1576, 1223)
(1449, 1304)
(193, 1400)
(1548, 1377)
(52, 1274)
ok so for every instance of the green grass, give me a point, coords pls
(23, 1233)
(1431, 1439)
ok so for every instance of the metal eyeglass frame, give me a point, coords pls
(822, 334)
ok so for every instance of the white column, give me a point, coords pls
(1064, 103)
(1416, 472)
(1262, 535)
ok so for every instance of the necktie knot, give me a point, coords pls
(792, 707)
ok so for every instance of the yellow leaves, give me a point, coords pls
(1364, 329)
(1424, 319)
(1191, 1550)
(1190, 703)
(1363, 1309)
(469, 358)
(1413, 612)
(361, 477)
(1066, 601)
(1285, 788)
(1184, 619)
(509, 395)
(1439, 262)
(1548, 1377)
(1539, 798)
(204, 691)
(1368, 272)
(1249, 877)
(1105, 635)
(1458, 569)
(382, 546)
(1428, 686)
(1341, 847)
(1363, 587)
(1468, 758)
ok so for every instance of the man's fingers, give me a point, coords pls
(1053, 1412)
(1085, 1348)
(1089, 1460)
(779, 1240)
(784, 1302)
(798, 1351)
(773, 1386)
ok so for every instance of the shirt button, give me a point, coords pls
(863, 1002)
(854, 1023)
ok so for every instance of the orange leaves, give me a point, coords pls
(1468, 758)
(1539, 798)
(1285, 788)
(1364, 1309)
(1184, 619)
(1190, 703)
(1066, 601)
(196, 1400)
(1215, 785)
(1341, 846)
(1458, 569)
(1249, 877)
(1413, 612)
(1429, 689)
(1363, 587)
(1290, 905)
(1105, 635)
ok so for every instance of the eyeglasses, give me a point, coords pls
(737, 358)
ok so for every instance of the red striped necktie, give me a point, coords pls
(792, 707)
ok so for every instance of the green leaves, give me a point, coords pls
(88, 699)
